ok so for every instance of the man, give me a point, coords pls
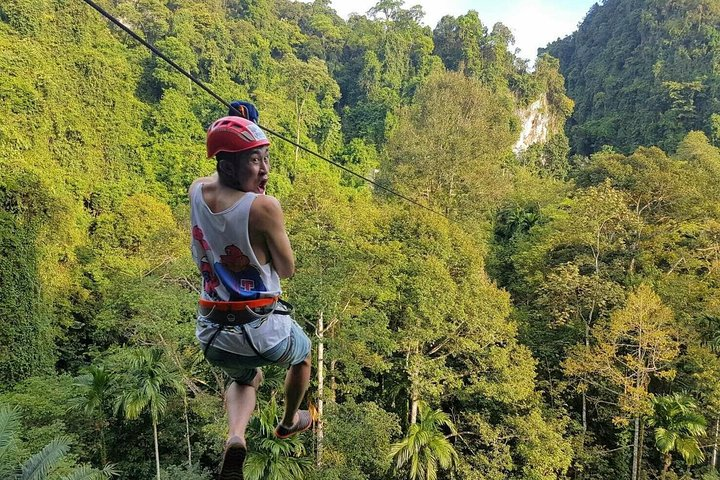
(241, 248)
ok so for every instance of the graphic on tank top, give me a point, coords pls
(241, 279)
(234, 271)
(210, 281)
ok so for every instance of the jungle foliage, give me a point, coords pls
(559, 318)
(642, 73)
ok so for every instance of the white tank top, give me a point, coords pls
(222, 251)
(231, 272)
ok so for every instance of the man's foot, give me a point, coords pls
(303, 421)
(231, 467)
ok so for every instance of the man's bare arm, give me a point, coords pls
(270, 221)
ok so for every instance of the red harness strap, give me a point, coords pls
(237, 306)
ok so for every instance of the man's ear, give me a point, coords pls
(226, 167)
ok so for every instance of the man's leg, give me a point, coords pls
(297, 381)
(240, 404)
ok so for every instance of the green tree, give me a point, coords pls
(678, 426)
(638, 343)
(542, 452)
(426, 448)
(640, 72)
(96, 391)
(312, 90)
(145, 383)
(270, 458)
(435, 155)
(358, 439)
(44, 464)
(27, 335)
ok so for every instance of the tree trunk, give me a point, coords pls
(321, 388)
(641, 447)
(297, 139)
(413, 407)
(103, 448)
(667, 461)
(413, 393)
(187, 431)
(584, 394)
(636, 437)
(298, 111)
(713, 461)
(157, 450)
(333, 383)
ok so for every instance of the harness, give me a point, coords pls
(238, 314)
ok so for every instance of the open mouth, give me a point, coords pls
(262, 185)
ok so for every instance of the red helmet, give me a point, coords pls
(234, 134)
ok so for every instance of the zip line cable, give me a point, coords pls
(217, 97)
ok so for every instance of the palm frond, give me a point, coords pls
(425, 447)
(38, 466)
(9, 424)
(94, 385)
(678, 424)
(665, 440)
(269, 457)
(694, 424)
(255, 465)
(690, 450)
(715, 342)
(110, 470)
(85, 472)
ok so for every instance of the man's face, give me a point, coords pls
(252, 170)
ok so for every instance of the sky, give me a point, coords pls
(534, 23)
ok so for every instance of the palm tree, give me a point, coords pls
(148, 383)
(95, 386)
(677, 427)
(40, 465)
(426, 447)
(270, 458)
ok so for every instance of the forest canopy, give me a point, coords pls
(557, 317)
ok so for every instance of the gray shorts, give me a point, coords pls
(242, 369)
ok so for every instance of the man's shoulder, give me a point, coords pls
(265, 209)
(204, 180)
(266, 202)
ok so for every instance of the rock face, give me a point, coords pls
(536, 125)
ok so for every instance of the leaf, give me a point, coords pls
(40, 464)
(9, 424)
(86, 472)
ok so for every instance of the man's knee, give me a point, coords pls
(307, 362)
(257, 381)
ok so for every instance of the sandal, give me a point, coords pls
(304, 422)
(231, 467)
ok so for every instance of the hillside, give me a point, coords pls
(549, 319)
(642, 73)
